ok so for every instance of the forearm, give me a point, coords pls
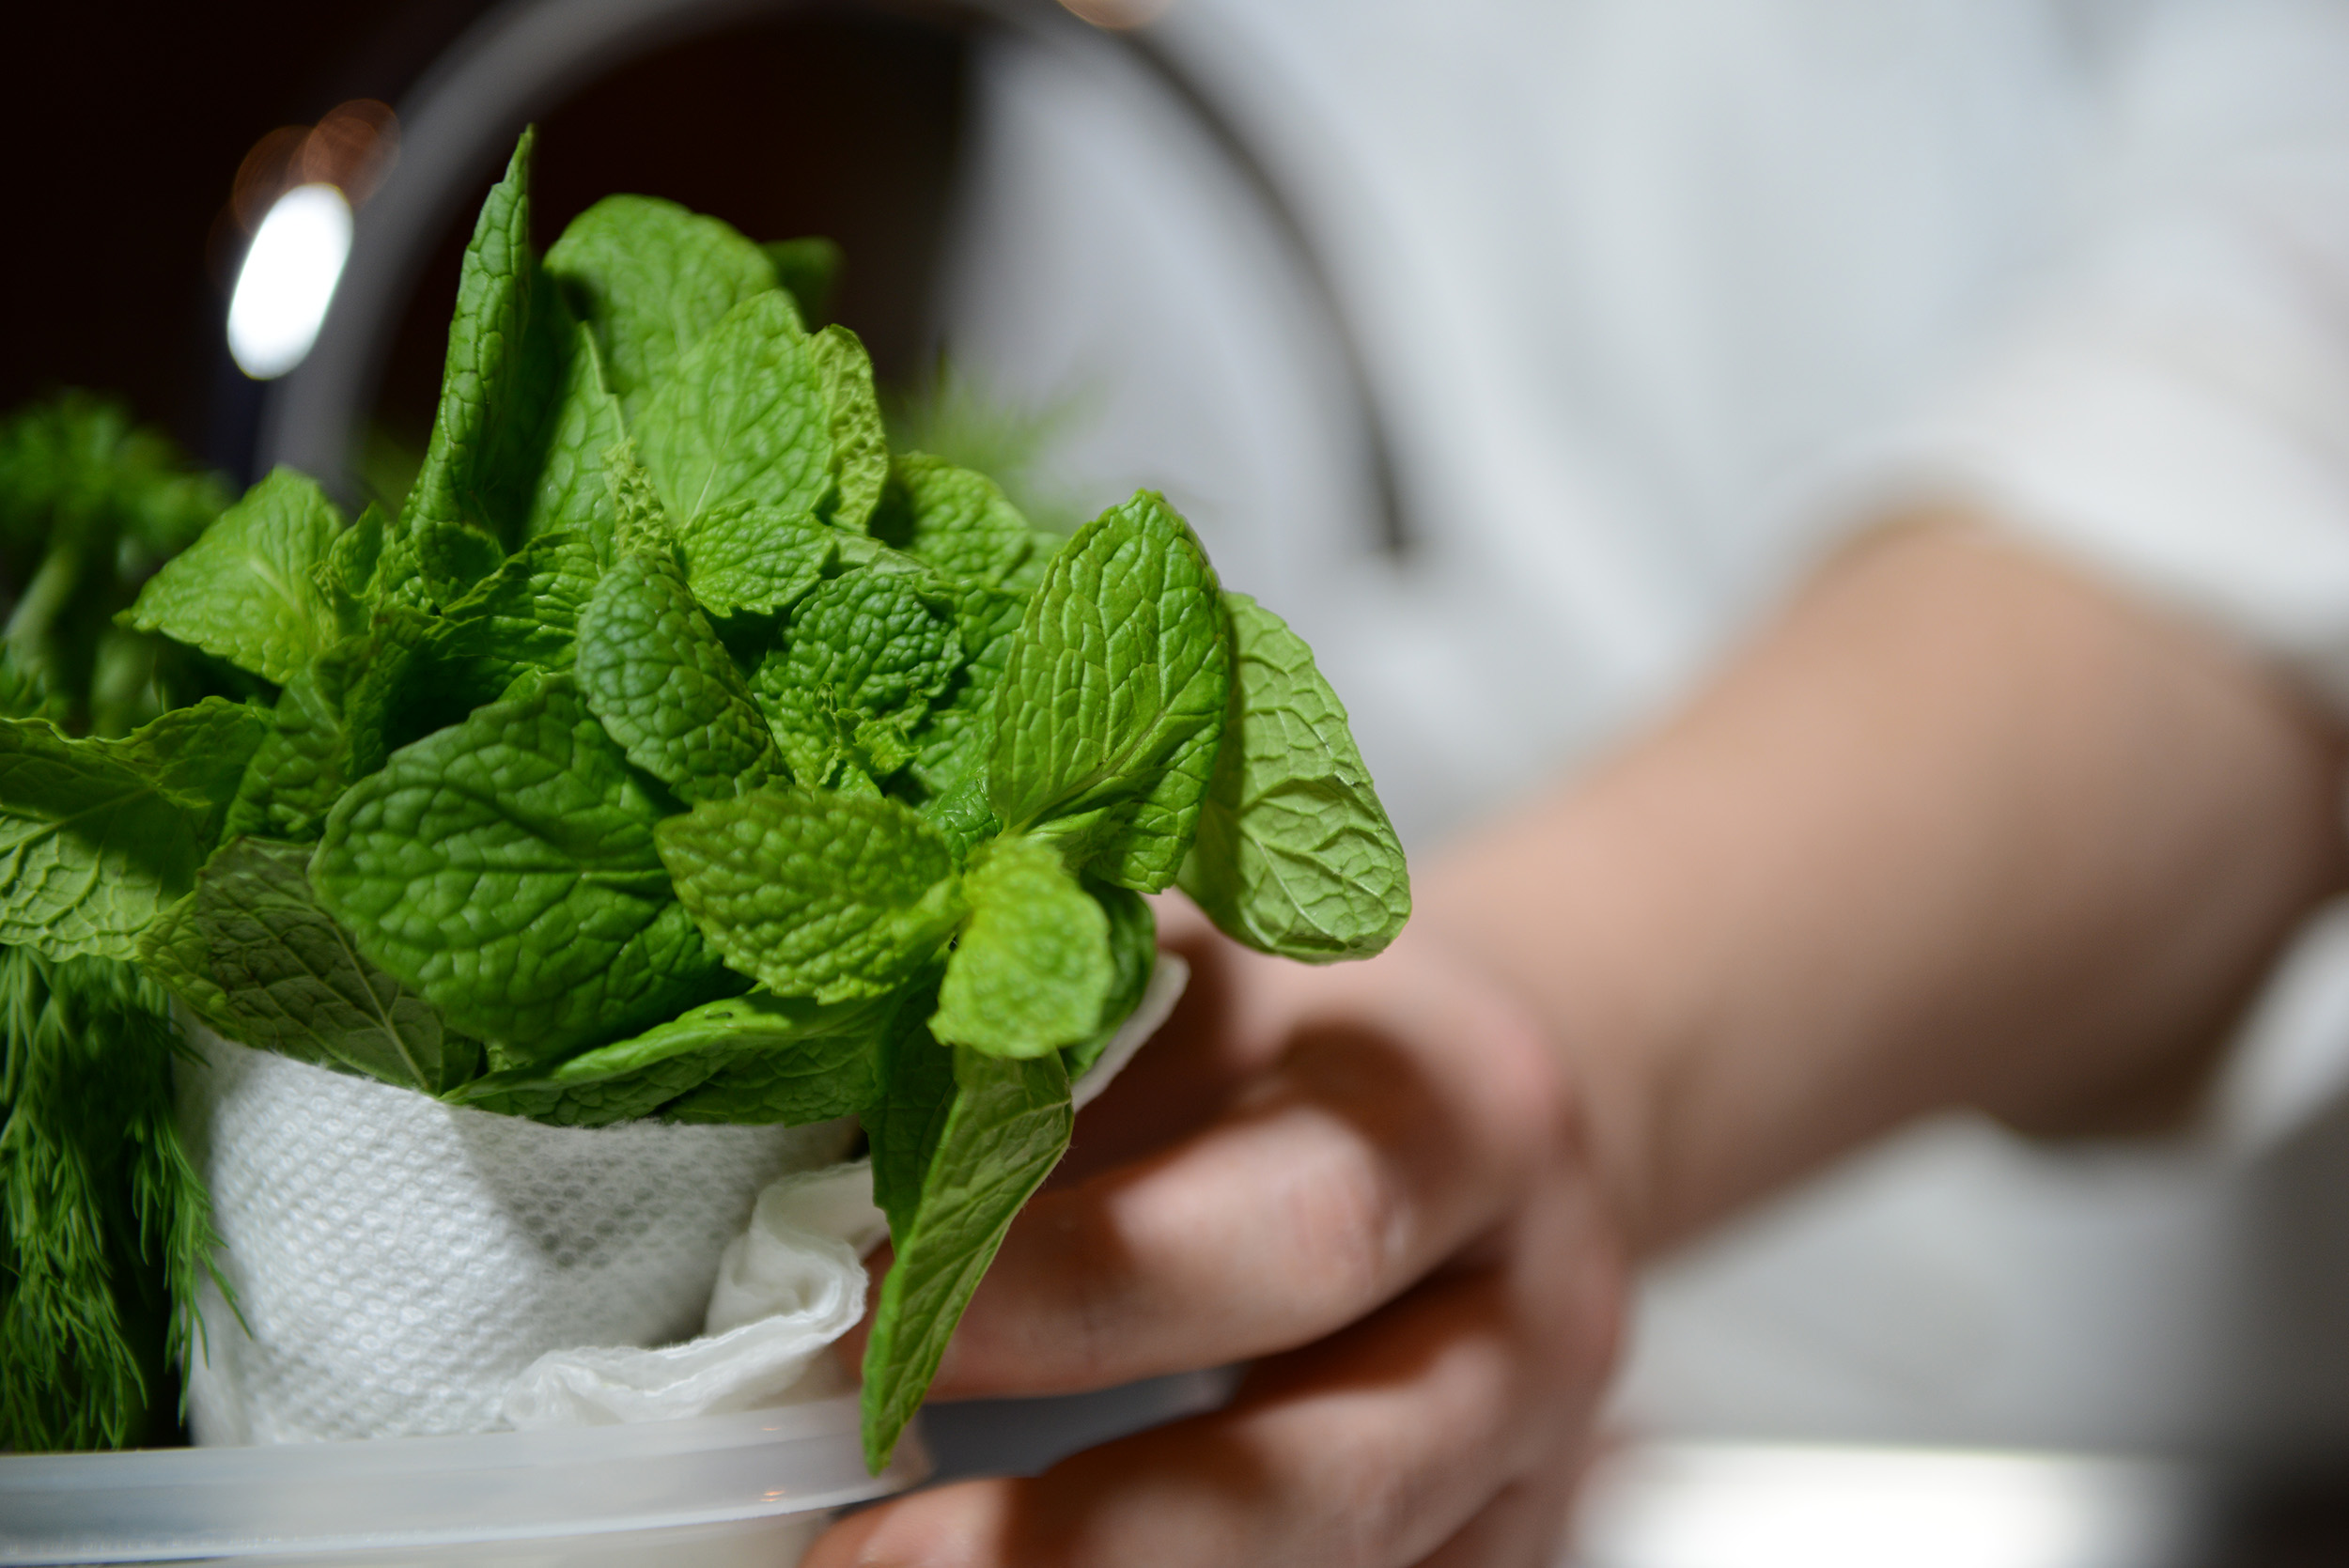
(1961, 829)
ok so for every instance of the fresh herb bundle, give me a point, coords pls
(680, 751)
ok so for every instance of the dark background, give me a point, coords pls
(126, 126)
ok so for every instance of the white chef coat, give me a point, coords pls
(1655, 299)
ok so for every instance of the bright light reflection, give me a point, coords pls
(1733, 1506)
(287, 279)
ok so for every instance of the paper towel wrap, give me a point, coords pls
(399, 1262)
(408, 1267)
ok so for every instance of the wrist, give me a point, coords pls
(1576, 971)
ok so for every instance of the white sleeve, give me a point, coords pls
(2176, 411)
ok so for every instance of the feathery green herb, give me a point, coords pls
(107, 1224)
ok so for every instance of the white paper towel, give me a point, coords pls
(400, 1262)
(787, 1287)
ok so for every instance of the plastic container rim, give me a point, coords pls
(387, 1461)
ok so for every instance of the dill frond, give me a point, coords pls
(108, 1225)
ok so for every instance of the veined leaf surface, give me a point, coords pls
(1112, 697)
(504, 867)
(98, 837)
(1295, 855)
(815, 895)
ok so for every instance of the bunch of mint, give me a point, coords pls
(680, 751)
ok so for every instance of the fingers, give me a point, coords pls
(1217, 1039)
(1403, 1121)
(1430, 1433)
(1523, 1526)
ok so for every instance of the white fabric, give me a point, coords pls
(2177, 409)
(1658, 297)
(399, 1262)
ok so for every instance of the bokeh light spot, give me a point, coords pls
(288, 280)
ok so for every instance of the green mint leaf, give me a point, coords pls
(98, 837)
(815, 894)
(951, 746)
(879, 641)
(860, 445)
(1295, 855)
(452, 557)
(1009, 1125)
(522, 616)
(1113, 698)
(794, 1062)
(651, 279)
(742, 419)
(504, 867)
(665, 688)
(398, 585)
(294, 982)
(756, 1023)
(573, 495)
(1032, 970)
(867, 655)
(346, 579)
(824, 1078)
(245, 591)
(175, 955)
(521, 619)
(908, 1115)
(808, 269)
(955, 519)
(507, 344)
(750, 1024)
(386, 684)
(298, 771)
(742, 558)
(752, 1059)
(962, 816)
(1026, 577)
(604, 1102)
(600, 1102)
(640, 520)
(1134, 956)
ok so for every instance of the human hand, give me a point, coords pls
(1368, 1181)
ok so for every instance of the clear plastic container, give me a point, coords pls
(711, 1492)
